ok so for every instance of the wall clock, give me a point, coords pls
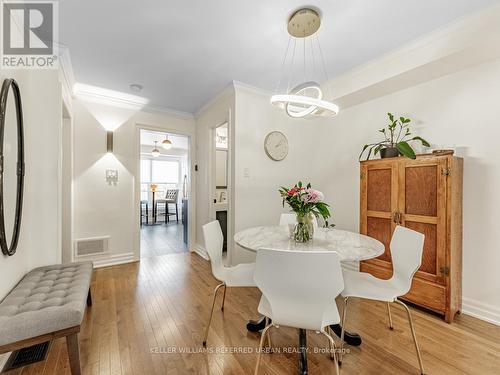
(276, 145)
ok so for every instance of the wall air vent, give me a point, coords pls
(91, 246)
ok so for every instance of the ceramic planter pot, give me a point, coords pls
(389, 152)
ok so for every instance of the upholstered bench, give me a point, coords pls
(48, 303)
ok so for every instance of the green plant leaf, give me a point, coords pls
(377, 149)
(391, 116)
(362, 151)
(406, 150)
(424, 142)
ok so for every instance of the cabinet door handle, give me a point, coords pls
(397, 217)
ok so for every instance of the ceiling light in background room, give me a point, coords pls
(305, 98)
(155, 152)
(135, 87)
(166, 144)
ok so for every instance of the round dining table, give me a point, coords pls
(349, 245)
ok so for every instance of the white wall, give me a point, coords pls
(103, 209)
(257, 201)
(39, 242)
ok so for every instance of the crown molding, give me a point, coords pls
(249, 88)
(66, 67)
(168, 111)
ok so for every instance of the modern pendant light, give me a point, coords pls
(166, 144)
(305, 98)
(155, 152)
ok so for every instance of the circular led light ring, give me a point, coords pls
(304, 100)
(299, 111)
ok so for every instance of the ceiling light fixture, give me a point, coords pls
(166, 144)
(306, 98)
(155, 152)
(135, 87)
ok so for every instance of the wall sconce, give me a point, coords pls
(109, 141)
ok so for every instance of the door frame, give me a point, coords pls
(191, 192)
(212, 178)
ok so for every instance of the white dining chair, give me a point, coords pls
(286, 219)
(236, 276)
(299, 290)
(406, 252)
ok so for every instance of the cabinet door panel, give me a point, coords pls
(381, 229)
(379, 190)
(379, 200)
(421, 190)
(429, 261)
(422, 202)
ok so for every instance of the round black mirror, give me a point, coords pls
(11, 165)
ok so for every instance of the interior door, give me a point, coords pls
(379, 201)
(422, 203)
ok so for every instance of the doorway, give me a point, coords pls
(164, 204)
(220, 182)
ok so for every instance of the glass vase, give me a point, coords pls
(304, 229)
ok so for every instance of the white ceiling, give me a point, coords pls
(184, 52)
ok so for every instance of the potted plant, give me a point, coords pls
(397, 134)
(305, 202)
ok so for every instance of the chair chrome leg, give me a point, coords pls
(390, 315)
(212, 312)
(344, 315)
(268, 335)
(332, 344)
(414, 335)
(223, 297)
(262, 338)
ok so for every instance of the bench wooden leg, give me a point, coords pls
(73, 354)
(89, 298)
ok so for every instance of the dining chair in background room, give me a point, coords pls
(406, 252)
(286, 219)
(236, 276)
(171, 197)
(299, 290)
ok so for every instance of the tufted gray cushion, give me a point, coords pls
(46, 300)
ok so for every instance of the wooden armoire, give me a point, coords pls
(424, 195)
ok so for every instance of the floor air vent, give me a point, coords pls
(91, 246)
(26, 356)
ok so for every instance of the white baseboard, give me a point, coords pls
(480, 310)
(111, 260)
(200, 250)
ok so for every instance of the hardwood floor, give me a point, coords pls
(162, 239)
(141, 311)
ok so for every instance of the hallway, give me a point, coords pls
(162, 239)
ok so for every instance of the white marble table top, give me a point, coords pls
(349, 245)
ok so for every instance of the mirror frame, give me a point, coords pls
(10, 249)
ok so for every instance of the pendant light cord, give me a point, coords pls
(324, 68)
(282, 72)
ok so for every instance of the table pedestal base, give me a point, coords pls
(350, 338)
